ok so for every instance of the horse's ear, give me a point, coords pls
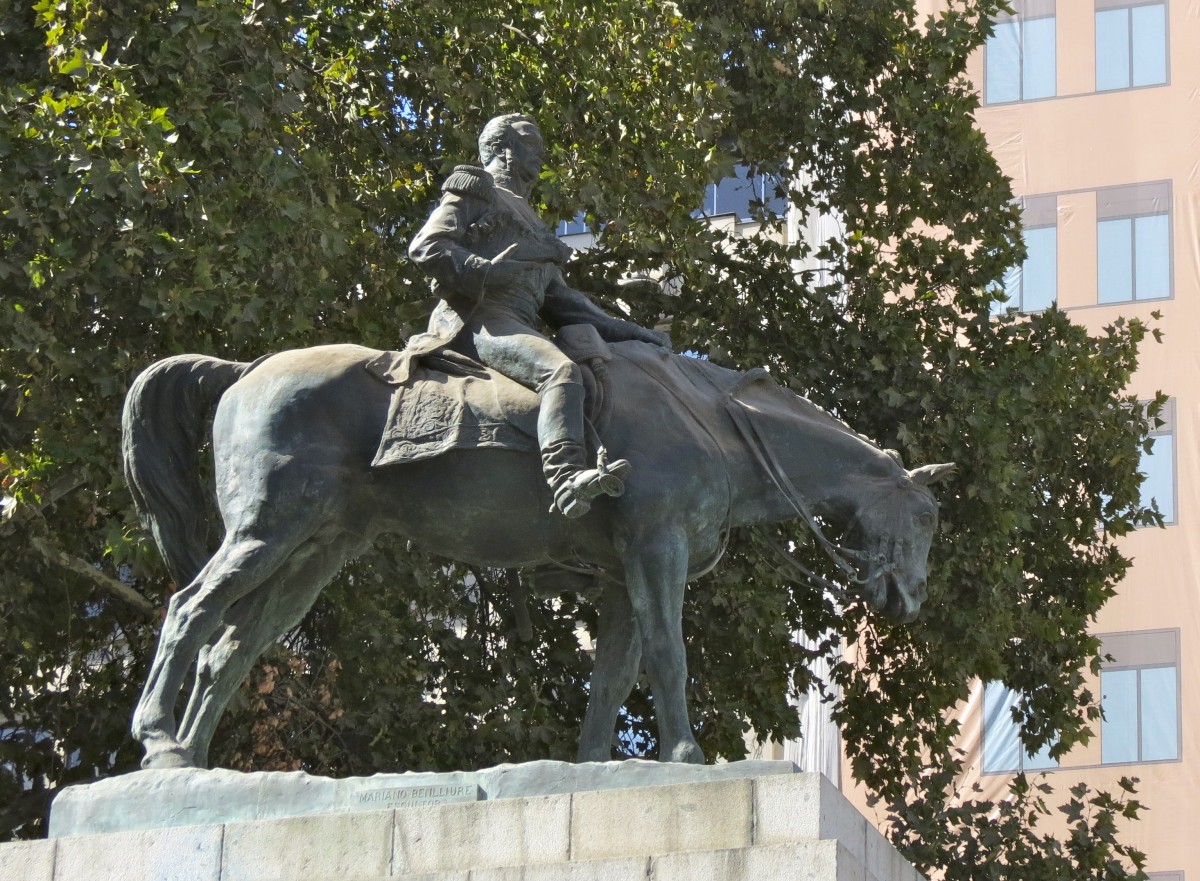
(929, 474)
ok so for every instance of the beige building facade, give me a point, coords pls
(1092, 108)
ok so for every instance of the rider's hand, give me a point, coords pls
(657, 338)
(620, 329)
(505, 272)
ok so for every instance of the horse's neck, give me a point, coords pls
(817, 465)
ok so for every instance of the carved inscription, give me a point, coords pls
(418, 796)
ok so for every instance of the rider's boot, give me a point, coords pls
(564, 455)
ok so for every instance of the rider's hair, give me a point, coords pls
(496, 133)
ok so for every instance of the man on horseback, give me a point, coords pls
(498, 270)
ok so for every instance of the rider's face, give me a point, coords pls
(526, 151)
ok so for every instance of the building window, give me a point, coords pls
(1019, 58)
(1158, 466)
(1139, 689)
(741, 194)
(1165, 876)
(1033, 286)
(575, 227)
(1131, 44)
(1003, 752)
(1133, 243)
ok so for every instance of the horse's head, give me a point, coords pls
(891, 537)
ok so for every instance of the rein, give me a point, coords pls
(770, 464)
(835, 590)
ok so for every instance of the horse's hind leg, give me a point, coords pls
(236, 638)
(656, 575)
(250, 626)
(193, 615)
(618, 654)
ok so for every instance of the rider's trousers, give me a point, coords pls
(521, 353)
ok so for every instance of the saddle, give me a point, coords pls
(446, 400)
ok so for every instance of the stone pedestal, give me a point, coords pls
(723, 824)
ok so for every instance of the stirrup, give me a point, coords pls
(573, 498)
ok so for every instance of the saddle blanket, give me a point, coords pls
(449, 401)
(444, 400)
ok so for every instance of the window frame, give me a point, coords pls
(1133, 202)
(1022, 305)
(1167, 429)
(759, 184)
(1101, 6)
(1142, 650)
(1024, 10)
(1037, 213)
(1023, 757)
(577, 226)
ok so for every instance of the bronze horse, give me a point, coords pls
(293, 438)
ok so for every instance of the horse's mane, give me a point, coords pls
(728, 381)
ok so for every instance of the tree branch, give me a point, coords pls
(114, 588)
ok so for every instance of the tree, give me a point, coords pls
(235, 178)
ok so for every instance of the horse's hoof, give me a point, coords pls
(167, 758)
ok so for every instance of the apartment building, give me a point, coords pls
(1092, 108)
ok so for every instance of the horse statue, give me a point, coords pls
(294, 436)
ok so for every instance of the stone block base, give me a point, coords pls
(779, 826)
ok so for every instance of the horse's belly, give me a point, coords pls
(485, 507)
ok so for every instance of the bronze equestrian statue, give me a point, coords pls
(296, 438)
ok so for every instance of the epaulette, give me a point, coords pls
(469, 180)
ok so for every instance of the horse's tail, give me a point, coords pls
(162, 428)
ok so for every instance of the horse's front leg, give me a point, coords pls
(618, 654)
(656, 575)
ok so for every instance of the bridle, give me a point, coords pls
(851, 561)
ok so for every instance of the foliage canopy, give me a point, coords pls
(236, 177)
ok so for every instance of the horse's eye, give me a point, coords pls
(927, 518)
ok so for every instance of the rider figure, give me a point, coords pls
(498, 269)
